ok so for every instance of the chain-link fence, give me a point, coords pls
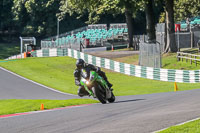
(187, 39)
(160, 27)
(150, 55)
(196, 35)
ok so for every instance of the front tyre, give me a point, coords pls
(112, 99)
(100, 94)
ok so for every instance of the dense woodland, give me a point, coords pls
(39, 17)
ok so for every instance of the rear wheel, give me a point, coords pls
(100, 93)
(112, 99)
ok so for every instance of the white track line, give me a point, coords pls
(36, 82)
(177, 125)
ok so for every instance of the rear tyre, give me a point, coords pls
(100, 94)
(112, 99)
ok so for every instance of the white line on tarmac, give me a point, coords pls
(36, 82)
(177, 125)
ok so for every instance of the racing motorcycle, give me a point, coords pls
(97, 87)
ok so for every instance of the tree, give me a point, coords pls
(20, 14)
(6, 17)
(185, 9)
(129, 14)
(170, 45)
(36, 17)
(1, 7)
(96, 8)
(150, 23)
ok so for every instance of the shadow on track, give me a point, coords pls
(124, 101)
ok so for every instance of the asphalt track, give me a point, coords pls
(17, 87)
(129, 114)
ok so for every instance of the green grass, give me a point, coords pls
(129, 59)
(191, 127)
(57, 72)
(124, 49)
(169, 61)
(12, 106)
(8, 49)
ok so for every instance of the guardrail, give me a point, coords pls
(170, 75)
(188, 56)
(19, 56)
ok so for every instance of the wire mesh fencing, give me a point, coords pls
(150, 55)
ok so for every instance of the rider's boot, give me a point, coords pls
(109, 84)
(82, 92)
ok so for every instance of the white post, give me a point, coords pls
(21, 46)
(58, 30)
(34, 40)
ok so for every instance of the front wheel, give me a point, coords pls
(100, 94)
(112, 99)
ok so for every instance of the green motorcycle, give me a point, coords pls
(97, 87)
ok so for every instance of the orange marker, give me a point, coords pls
(42, 107)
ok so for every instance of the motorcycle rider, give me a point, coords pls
(83, 70)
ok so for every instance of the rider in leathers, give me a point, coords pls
(83, 70)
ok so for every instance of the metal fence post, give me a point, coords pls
(192, 39)
(178, 40)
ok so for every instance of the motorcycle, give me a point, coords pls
(97, 87)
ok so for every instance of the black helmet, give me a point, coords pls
(80, 63)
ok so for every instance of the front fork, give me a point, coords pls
(89, 91)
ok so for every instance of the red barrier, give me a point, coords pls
(177, 27)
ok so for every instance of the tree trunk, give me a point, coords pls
(171, 43)
(150, 23)
(129, 22)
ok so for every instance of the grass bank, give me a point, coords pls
(191, 127)
(12, 106)
(169, 61)
(57, 72)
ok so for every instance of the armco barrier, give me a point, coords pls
(19, 56)
(170, 75)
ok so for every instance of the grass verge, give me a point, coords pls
(12, 106)
(191, 127)
(169, 61)
(57, 72)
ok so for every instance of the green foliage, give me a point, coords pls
(98, 8)
(8, 49)
(186, 9)
(38, 17)
(183, 9)
(6, 16)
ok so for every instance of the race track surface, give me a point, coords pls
(129, 114)
(14, 87)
